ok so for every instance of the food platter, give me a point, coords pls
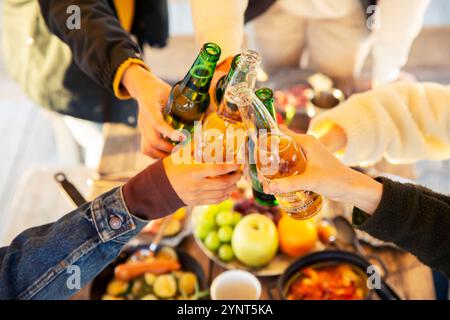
(105, 282)
(275, 267)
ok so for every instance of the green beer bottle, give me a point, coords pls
(190, 98)
(266, 97)
(223, 82)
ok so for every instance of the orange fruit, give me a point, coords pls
(297, 237)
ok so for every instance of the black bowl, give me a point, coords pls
(329, 257)
(188, 263)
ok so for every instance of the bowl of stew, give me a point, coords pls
(330, 275)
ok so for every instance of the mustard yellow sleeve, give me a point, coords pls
(119, 90)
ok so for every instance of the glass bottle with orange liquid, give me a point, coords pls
(223, 133)
(277, 154)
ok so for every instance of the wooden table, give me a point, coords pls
(121, 158)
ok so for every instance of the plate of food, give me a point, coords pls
(240, 234)
(170, 274)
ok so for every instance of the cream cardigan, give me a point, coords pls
(402, 122)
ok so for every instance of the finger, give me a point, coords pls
(148, 139)
(153, 153)
(213, 170)
(165, 129)
(216, 194)
(224, 182)
(149, 150)
(290, 184)
(213, 201)
(160, 143)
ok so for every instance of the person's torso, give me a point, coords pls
(44, 67)
(321, 9)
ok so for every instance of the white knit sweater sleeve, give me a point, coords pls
(221, 22)
(403, 122)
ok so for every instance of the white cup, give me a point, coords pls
(235, 285)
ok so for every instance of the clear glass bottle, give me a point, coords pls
(277, 155)
(223, 133)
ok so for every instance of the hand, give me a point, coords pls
(200, 183)
(151, 94)
(333, 138)
(329, 177)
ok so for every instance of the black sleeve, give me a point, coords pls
(414, 218)
(100, 45)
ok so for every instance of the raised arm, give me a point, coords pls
(101, 46)
(414, 218)
(221, 22)
(40, 262)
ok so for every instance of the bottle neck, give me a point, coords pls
(255, 116)
(245, 70)
(199, 76)
(198, 79)
(265, 95)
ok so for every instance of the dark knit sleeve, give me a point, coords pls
(414, 218)
(150, 195)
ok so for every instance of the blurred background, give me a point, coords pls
(34, 145)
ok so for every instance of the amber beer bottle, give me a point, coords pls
(277, 154)
(190, 98)
(223, 128)
(266, 97)
(223, 82)
(286, 159)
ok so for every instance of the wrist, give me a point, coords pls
(363, 192)
(150, 195)
(134, 79)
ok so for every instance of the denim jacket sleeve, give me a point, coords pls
(53, 261)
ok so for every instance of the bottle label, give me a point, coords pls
(295, 202)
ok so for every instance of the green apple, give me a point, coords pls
(212, 241)
(224, 218)
(236, 218)
(225, 233)
(255, 240)
(226, 253)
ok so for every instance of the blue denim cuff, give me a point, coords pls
(112, 219)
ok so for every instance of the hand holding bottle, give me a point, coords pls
(200, 183)
(151, 94)
(326, 175)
